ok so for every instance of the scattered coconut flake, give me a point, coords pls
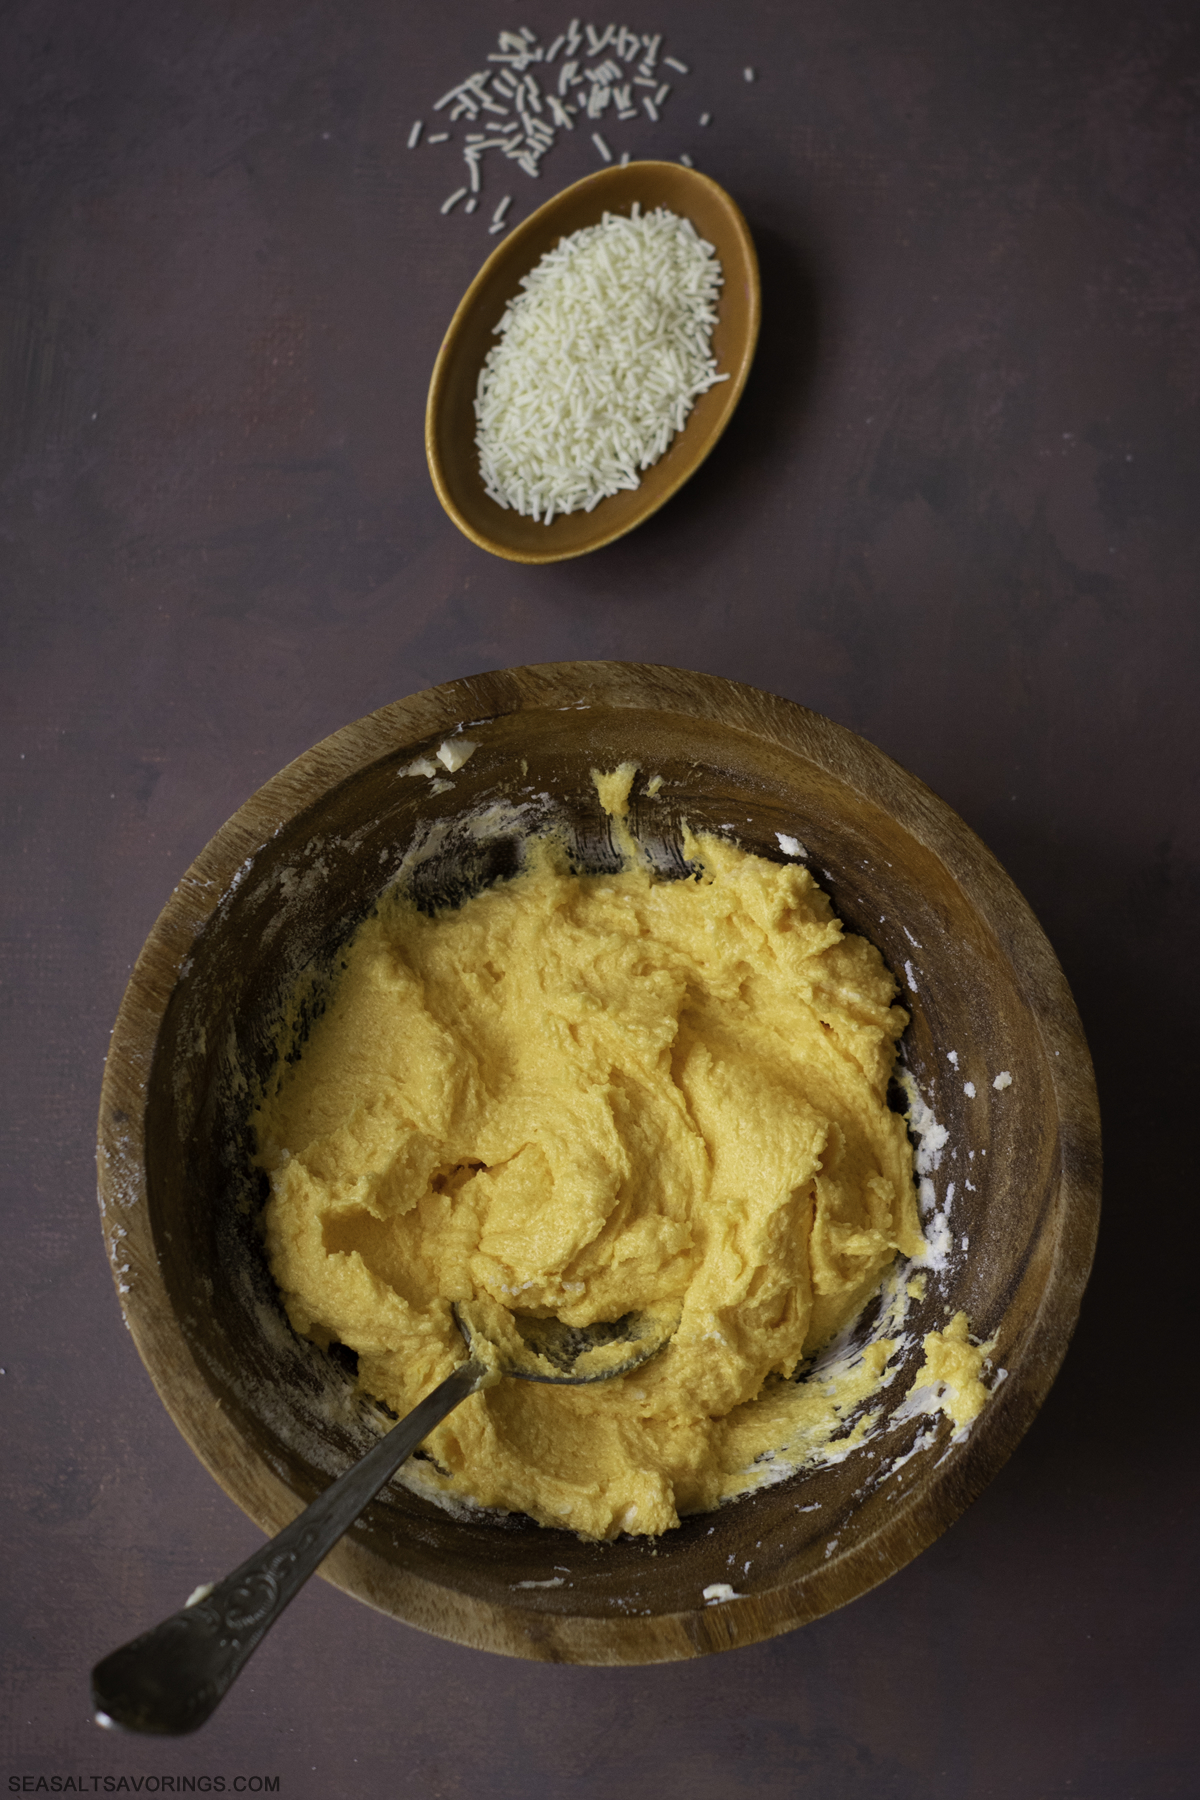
(454, 753)
(1003, 1080)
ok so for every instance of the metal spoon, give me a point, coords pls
(170, 1679)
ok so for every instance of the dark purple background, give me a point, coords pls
(957, 511)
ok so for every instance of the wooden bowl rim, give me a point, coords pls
(517, 1629)
(601, 191)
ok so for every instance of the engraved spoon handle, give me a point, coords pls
(170, 1679)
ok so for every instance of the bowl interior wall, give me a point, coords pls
(306, 892)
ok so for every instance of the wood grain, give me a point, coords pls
(281, 886)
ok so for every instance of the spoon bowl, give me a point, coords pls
(450, 412)
(544, 1349)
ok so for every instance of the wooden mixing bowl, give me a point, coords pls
(283, 885)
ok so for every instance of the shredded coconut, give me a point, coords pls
(599, 363)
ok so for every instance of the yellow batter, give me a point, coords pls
(954, 1366)
(581, 1096)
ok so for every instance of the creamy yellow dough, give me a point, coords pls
(954, 1365)
(581, 1095)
